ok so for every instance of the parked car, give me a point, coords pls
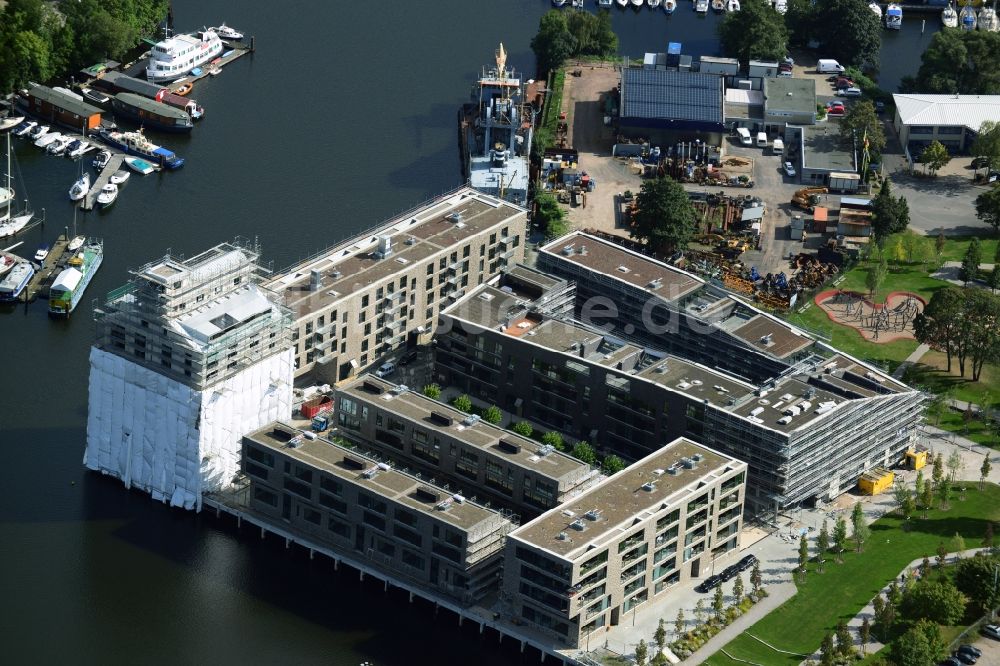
(993, 631)
(835, 111)
(980, 162)
(966, 657)
(709, 584)
(785, 73)
(843, 82)
(788, 60)
(879, 107)
(971, 649)
(747, 562)
(834, 103)
(850, 92)
(730, 572)
(784, 67)
(385, 369)
(789, 170)
(951, 661)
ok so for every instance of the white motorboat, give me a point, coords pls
(578, 4)
(26, 128)
(41, 253)
(140, 165)
(49, 137)
(119, 177)
(701, 6)
(559, 3)
(733, 6)
(967, 18)
(38, 131)
(622, 3)
(781, 6)
(655, 4)
(604, 3)
(10, 122)
(718, 6)
(107, 195)
(949, 17)
(637, 3)
(76, 243)
(80, 187)
(225, 32)
(58, 147)
(988, 20)
(893, 16)
(7, 262)
(670, 6)
(102, 158)
(177, 56)
(78, 150)
(876, 9)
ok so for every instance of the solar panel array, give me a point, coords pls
(667, 95)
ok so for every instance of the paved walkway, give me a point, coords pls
(869, 611)
(917, 354)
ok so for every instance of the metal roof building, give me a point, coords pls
(954, 120)
(672, 105)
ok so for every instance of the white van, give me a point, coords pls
(744, 135)
(779, 147)
(761, 140)
(826, 66)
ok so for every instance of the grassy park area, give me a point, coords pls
(844, 589)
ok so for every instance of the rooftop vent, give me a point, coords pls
(458, 499)
(623, 269)
(582, 250)
(453, 217)
(546, 450)
(593, 514)
(567, 250)
(335, 273)
(315, 280)
(655, 284)
(425, 494)
(509, 447)
(486, 296)
(384, 246)
(697, 457)
(370, 473)
(562, 536)
(353, 463)
(441, 419)
(766, 339)
(689, 463)
(673, 470)
(578, 525)
(658, 472)
(649, 486)
(410, 240)
(471, 420)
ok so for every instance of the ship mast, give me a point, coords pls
(501, 57)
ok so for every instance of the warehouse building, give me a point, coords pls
(670, 106)
(609, 553)
(361, 507)
(954, 120)
(789, 101)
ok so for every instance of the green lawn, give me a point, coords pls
(799, 624)
(954, 248)
(975, 430)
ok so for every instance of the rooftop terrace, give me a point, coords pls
(608, 511)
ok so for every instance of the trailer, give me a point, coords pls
(845, 182)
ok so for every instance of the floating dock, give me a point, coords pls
(53, 264)
(113, 165)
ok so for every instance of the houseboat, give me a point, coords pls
(136, 143)
(176, 56)
(69, 285)
(151, 114)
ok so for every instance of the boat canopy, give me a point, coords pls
(68, 280)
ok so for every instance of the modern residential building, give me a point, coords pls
(459, 451)
(954, 120)
(366, 509)
(596, 560)
(676, 357)
(190, 355)
(667, 106)
(381, 290)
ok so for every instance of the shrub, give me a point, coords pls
(432, 391)
(523, 428)
(462, 403)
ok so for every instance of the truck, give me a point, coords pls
(829, 66)
(808, 197)
(744, 135)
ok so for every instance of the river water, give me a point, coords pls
(345, 115)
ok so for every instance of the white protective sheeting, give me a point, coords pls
(170, 440)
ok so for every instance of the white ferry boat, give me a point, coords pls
(177, 56)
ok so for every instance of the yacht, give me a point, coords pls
(68, 287)
(604, 3)
(136, 143)
(11, 221)
(637, 3)
(876, 9)
(108, 195)
(25, 128)
(119, 177)
(559, 3)
(79, 149)
(949, 17)
(718, 6)
(41, 253)
(893, 17)
(38, 131)
(176, 56)
(10, 122)
(80, 187)
(58, 147)
(655, 4)
(781, 6)
(225, 32)
(701, 6)
(101, 159)
(49, 137)
(669, 6)
(16, 280)
(967, 18)
(733, 6)
(988, 20)
(622, 3)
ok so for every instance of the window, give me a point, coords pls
(253, 469)
(338, 527)
(265, 496)
(539, 561)
(633, 570)
(312, 515)
(299, 488)
(500, 477)
(631, 541)
(304, 474)
(541, 494)
(328, 484)
(426, 451)
(593, 562)
(467, 464)
(447, 552)
(411, 559)
(369, 518)
(364, 301)
(405, 517)
(331, 502)
(406, 534)
(370, 502)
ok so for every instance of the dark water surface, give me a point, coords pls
(343, 117)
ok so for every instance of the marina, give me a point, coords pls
(51, 266)
(107, 172)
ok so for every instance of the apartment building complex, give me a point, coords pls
(591, 562)
(381, 290)
(459, 450)
(190, 354)
(810, 422)
(366, 509)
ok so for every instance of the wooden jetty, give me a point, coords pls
(114, 164)
(51, 267)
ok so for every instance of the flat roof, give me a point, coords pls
(392, 484)
(790, 94)
(773, 337)
(823, 149)
(600, 256)
(668, 95)
(63, 101)
(415, 236)
(623, 498)
(419, 409)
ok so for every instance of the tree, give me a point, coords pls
(957, 61)
(981, 311)
(988, 536)
(986, 145)
(944, 495)
(940, 325)
(942, 554)
(738, 590)
(553, 439)
(593, 32)
(756, 32)
(927, 499)
(893, 595)
(550, 216)
(899, 493)
(988, 207)
(845, 644)
(699, 612)
(847, 33)
(925, 567)
(939, 241)
(955, 465)
(890, 215)
(919, 646)
(584, 452)
(660, 635)
(803, 552)
(993, 279)
(679, 623)
(612, 464)
(909, 505)
(822, 543)
(934, 156)
(974, 576)
(883, 615)
(665, 218)
(718, 604)
(840, 536)
(918, 485)
(523, 428)
(865, 634)
(432, 391)
(876, 276)
(984, 471)
(957, 543)
(492, 414)
(861, 530)
(641, 652)
(553, 42)
(462, 403)
(861, 122)
(970, 262)
(828, 654)
(756, 579)
(937, 472)
(940, 601)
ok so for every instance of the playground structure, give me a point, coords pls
(892, 319)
